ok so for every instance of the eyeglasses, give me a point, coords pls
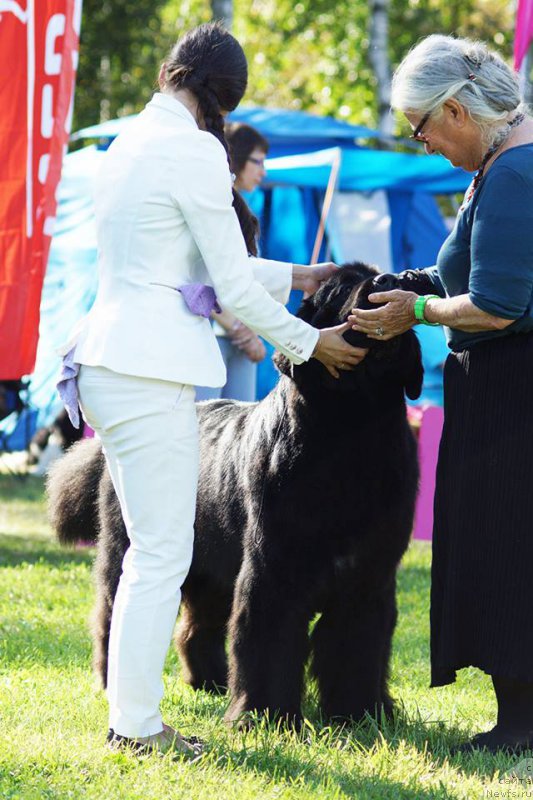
(259, 162)
(417, 133)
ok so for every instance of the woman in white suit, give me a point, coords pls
(165, 220)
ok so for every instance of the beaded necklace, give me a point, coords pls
(478, 177)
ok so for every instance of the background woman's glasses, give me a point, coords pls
(417, 133)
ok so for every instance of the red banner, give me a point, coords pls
(38, 60)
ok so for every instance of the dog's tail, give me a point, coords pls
(72, 488)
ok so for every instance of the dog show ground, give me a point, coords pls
(53, 711)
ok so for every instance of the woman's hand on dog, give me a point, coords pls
(395, 317)
(309, 279)
(335, 353)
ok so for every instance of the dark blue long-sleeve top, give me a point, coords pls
(489, 253)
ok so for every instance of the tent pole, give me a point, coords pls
(328, 198)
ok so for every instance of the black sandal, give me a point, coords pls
(118, 742)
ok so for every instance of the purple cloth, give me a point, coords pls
(67, 386)
(200, 299)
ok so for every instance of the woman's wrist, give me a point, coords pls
(226, 320)
(316, 348)
(431, 310)
(299, 274)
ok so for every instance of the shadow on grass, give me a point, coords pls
(310, 757)
(275, 763)
(435, 739)
(331, 761)
(263, 751)
(31, 643)
(277, 769)
(16, 550)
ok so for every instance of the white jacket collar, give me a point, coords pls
(172, 104)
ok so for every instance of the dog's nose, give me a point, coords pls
(386, 282)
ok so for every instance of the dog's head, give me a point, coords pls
(393, 362)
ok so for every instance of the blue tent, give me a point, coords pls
(303, 150)
(287, 131)
(365, 170)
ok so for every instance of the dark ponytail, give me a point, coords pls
(210, 63)
(248, 222)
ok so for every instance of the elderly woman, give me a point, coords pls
(463, 101)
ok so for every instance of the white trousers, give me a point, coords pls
(149, 433)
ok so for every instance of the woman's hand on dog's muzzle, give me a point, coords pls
(392, 319)
(335, 353)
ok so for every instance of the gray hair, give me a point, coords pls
(440, 67)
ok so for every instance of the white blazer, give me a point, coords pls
(165, 218)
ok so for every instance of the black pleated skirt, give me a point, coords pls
(482, 568)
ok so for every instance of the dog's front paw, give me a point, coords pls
(244, 716)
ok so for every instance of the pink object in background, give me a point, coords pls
(88, 432)
(523, 31)
(428, 451)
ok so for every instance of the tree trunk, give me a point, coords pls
(106, 86)
(223, 10)
(379, 60)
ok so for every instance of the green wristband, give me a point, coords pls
(420, 305)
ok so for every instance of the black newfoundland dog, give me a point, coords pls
(305, 508)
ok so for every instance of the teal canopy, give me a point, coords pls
(365, 170)
(287, 131)
(297, 136)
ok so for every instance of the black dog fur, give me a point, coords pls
(305, 506)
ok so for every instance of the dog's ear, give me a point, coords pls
(411, 361)
(282, 363)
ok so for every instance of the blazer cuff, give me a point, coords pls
(302, 349)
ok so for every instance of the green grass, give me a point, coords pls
(53, 715)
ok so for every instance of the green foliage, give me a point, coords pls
(309, 56)
(53, 717)
(302, 55)
(314, 56)
(120, 50)
(489, 20)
